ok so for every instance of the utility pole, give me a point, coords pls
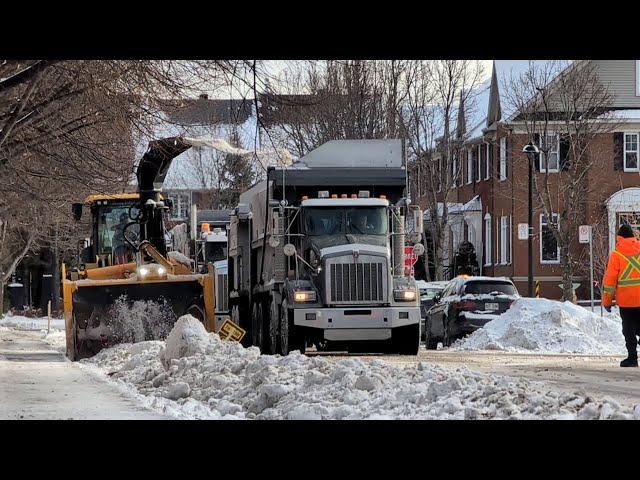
(531, 150)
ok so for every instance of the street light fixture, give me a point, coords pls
(531, 150)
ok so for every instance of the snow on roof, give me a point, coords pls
(628, 115)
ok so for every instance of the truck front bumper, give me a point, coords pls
(356, 323)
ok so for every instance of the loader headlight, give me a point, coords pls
(304, 296)
(404, 295)
(151, 271)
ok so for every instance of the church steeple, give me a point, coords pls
(494, 114)
(461, 124)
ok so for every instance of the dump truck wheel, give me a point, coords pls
(290, 337)
(273, 321)
(406, 340)
(256, 325)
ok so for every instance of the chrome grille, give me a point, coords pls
(360, 282)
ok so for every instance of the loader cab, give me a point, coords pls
(110, 214)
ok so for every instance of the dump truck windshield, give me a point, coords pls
(356, 220)
(111, 222)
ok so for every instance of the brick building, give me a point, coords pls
(490, 198)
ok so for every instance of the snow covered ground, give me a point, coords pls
(196, 375)
(55, 337)
(19, 322)
(549, 326)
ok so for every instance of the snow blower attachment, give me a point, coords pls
(130, 288)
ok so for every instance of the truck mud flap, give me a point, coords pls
(105, 315)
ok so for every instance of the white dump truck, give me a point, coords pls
(316, 253)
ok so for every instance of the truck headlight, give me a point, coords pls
(151, 271)
(304, 296)
(404, 295)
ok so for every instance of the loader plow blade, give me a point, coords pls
(108, 313)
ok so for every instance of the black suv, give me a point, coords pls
(467, 304)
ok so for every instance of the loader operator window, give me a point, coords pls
(111, 222)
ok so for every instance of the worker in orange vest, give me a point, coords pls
(622, 281)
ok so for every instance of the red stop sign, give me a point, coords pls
(410, 258)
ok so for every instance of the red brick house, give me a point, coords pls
(490, 198)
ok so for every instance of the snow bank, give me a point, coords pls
(197, 375)
(548, 326)
(19, 322)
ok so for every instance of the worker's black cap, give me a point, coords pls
(625, 231)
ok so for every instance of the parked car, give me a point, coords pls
(428, 292)
(466, 304)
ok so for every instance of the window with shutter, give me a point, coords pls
(550, 154)
(469, 166)
(478, 172)
(630, 152)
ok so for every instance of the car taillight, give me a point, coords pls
(467, 305)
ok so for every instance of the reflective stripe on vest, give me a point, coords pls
(633, 263)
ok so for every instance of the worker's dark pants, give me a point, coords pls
(631, 328)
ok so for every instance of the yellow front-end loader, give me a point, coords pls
(127, 265)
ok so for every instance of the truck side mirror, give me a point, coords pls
(76, 211)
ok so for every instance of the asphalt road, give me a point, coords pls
(600, 376)
(37, 382)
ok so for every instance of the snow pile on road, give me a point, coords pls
(196, 375)
(18, 322)
(540, 325)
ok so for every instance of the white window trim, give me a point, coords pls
(510, 240)
(478, 164)
(487, 174)
(503, 159)
(503, 240)
(637, 78)
(548, 262)
(624, 151)
(469, 167)
(488, 261)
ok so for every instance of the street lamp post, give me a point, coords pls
(531, 150)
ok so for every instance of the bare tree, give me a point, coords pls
(563, 109)
(337, 99)
(438, 93)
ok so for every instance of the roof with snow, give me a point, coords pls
(205, 111)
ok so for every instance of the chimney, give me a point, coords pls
(204, 96)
